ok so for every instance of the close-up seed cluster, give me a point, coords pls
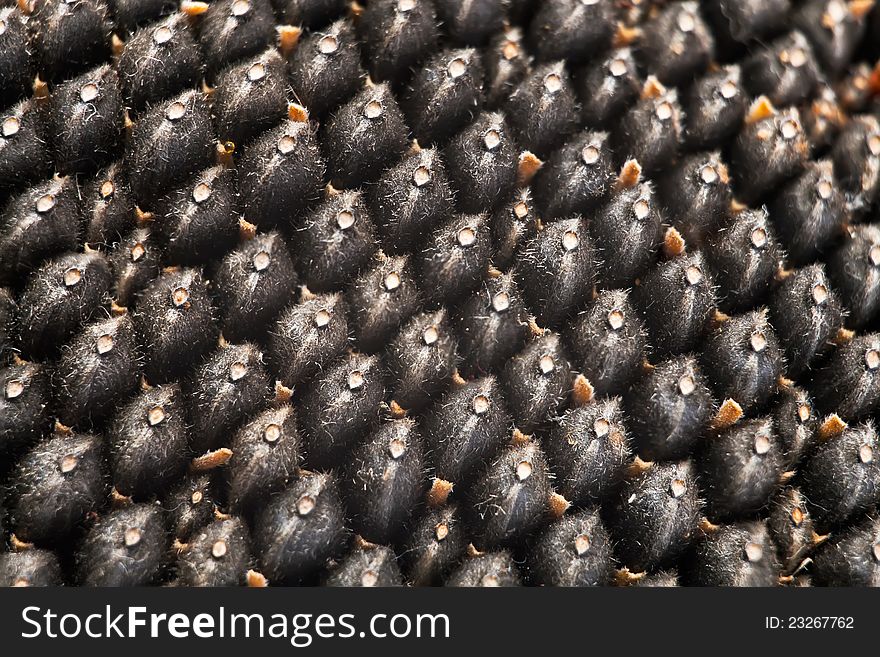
(439, 292)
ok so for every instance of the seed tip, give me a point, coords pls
(529, 163)
(397, 411)
(298, 113)
(653, 88)
(246, 230)
(625, 35)
(256, 580)
(191, 8)
(673, 243)
(439, 492)
(582, 391)
(637, 467)
(211, 460)
(761, 109)
(518, 438)
(630, 174)
(728, 414)
(832, 427)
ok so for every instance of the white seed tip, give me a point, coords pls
(582, 544)
(137, 252)
(758, 342)
(708, 174)
(693, 275)
(677, 487)
(131, 537)
(240, 7)
(664, 111)
(392, 281)
(155, 415)
(570, 240)
(762, 444)
(237, 370)
(641, 209)
(492, 139)
(11, 126)
(797, 57)
(272, 433)
(441, 531)
(590, 154)
(175, 111)
(104, 343)
(219, 549)
(45, 203)
(107, 189)
(421, 176)
(820, 293)
(617, 68)
(546, 364)
(789, 129)
(345, 219)
(88, 92)
(523, 470)
(256, 72)
(373, 109)
(872, 359)
(804, 412)
(179, 296)
(396, 448)
(836, 11)
(305, 505)
(686, 22)
(72, 276)
(456, 68)
(552, 83)
(369, 579)
(14, 388)
(262, 260)
(687, 385)
(328, 44)
(480, 404)
(430, 335)
(162, 35)
(68, 463)
(467, 236)
(754, 551)
(501, 302)
(201, 192)
(616, 319)
(322, 318)
(601, 427)
(728, 89)
(759, 238)
(866, 454)
(286, 144)
(355, 379)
